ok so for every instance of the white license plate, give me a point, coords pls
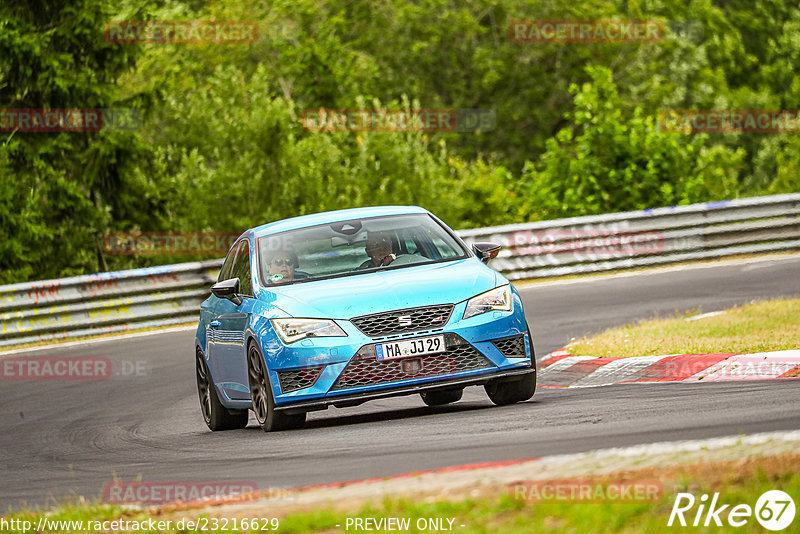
(410, 347)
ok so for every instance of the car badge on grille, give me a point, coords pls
(404, 320)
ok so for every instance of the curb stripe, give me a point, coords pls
(577, 372)
(553, 357)
(620, 370)
(679, 367)
(564, 363)
(560, 370)
(759, 366)
(792, 373)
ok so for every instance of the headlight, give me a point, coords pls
(294, 329)
(498, 298)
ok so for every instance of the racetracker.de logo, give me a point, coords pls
(55, 368)
(586, 31)
(398, 120)
(156, 493)
(587, 490)
(591, 241)
(45, 120)
(180, 32)
(730, 121)
(168, 243)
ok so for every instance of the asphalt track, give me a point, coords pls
(61, 439)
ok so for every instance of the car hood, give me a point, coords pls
(409, 287)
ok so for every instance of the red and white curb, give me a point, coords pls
(470, 481)
(561, 369)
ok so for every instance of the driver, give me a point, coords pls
(379, 249)
(282, 265)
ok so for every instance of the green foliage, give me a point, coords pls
(61, 191)
(253, 153)
(608, 163)
(222, 147)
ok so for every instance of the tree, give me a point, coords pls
(609, 162)
(60, 190)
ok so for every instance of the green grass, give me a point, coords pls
(505, 514)
(763, 326)
(739, 482)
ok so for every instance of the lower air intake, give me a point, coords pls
(511, 347)
(294, 379)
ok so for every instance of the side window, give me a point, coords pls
(227, 266)
(241, 268)
(445, 250)
(409, 243)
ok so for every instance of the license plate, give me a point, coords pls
(410, 347)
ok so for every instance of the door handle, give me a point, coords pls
(214, 324)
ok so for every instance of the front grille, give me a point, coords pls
(511, 347)
(295, 379)
(404, 321)
(364, 368)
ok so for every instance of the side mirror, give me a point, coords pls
(227, 289)
(486, 251)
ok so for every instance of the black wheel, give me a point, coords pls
(509, 392)
(268, 417)
(533, 352)
(437, 398)
(216, 416)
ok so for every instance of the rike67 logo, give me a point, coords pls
(774, 510)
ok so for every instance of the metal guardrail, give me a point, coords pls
(171, 294)
(106, 302)
(645, 238)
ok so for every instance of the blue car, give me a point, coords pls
(342, 307)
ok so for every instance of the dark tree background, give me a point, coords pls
(220, 146)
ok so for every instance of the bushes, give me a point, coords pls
(606, 162)
(222, 147)
(245, 159)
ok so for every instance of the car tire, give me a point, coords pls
(438, 398)
(269, 419)
(502, 393)
(216, 416)
(509, 392)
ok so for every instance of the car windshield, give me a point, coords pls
(355, 247)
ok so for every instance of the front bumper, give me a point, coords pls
(318, 367)
(354, 399)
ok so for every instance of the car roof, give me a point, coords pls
(304, 221)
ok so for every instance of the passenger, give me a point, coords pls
(282, 265)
